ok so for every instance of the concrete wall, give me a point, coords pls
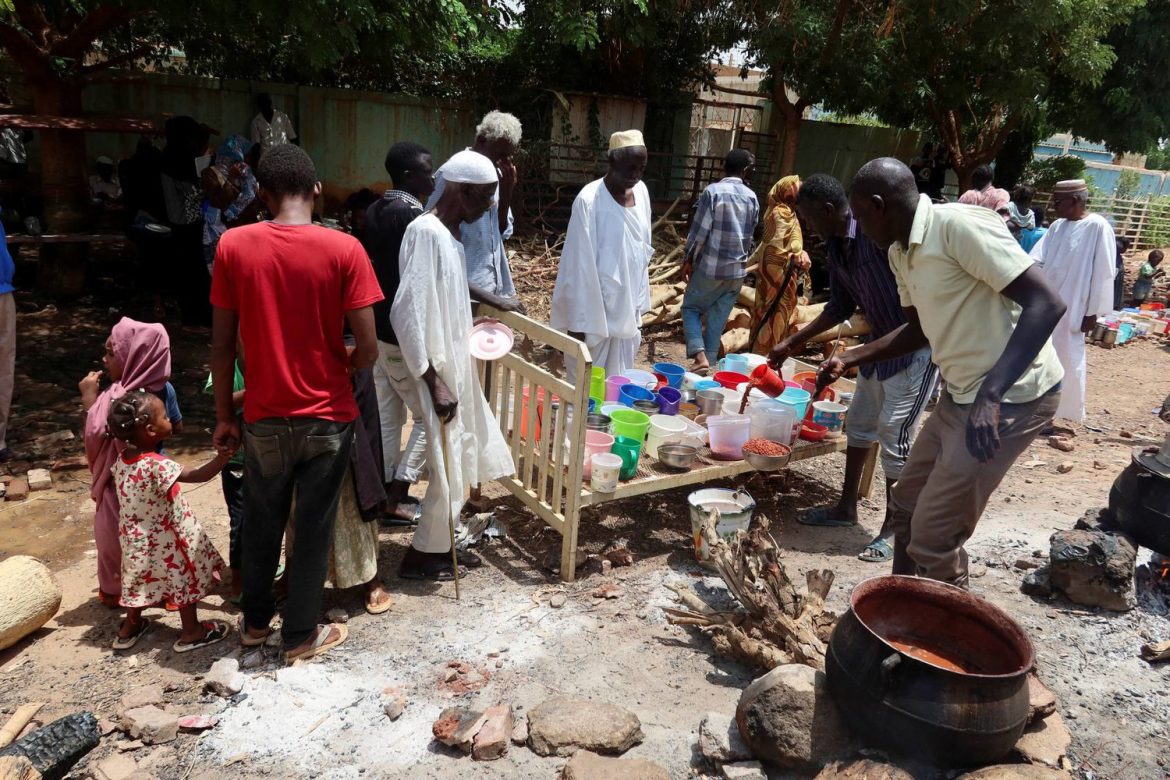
(346, 132)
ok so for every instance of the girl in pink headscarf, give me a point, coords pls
(138, 356)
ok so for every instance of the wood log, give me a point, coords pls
(747, 297)
(739, 318)
(24, 713)
(17, 768)
(29, 597)
(736, 340)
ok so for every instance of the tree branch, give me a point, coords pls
(113, 62)
(25, 53)
(93, 26)
(32, 19)
(833, 39)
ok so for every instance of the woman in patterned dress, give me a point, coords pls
(166, 556)
(781, 260)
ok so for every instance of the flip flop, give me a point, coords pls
(251, 641)
(878, 551)
(214, 632)
(378, 609)
(321, 642)
(126, 643)
(398, 522)
(279, 573)
(823, 516)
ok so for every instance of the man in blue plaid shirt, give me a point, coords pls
(715, 259)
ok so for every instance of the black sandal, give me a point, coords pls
(433, 567)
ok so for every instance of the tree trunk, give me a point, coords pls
(64, 187)
(792, 122)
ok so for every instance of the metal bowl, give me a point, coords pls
(597, 422)
(677, 456)
(710, 401)
(647, 407)
(768, 462)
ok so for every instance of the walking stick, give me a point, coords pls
(450, 519)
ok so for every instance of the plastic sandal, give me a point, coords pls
(215, 632)
(126, 643)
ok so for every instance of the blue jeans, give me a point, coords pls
(714, 299)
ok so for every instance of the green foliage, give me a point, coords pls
(862, 120)
(1042, 174)
(1129, 107)
(1157, 228)
(1128, 184)
(1158, 159)
(975, 70)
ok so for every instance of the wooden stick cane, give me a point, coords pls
(450, 519)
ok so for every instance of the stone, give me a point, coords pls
(863, 769)
(1041, 700)
(1061, 443)
(151, 725)
(491, 741)
(1027, 563)
(558, 600)
(1037, 583)
(1045, 742)
(1065, 467)
(788, 718)
(337, 615)
(225, 678)
(744, 770)
(1094, 568)
(394, 707)
(141, 696)
(457, 727)
(40, 479)
(17, 490)
(719, 739)
(1015, 772)
(585, 765)
(51, 441)
(562, 724)
(520, 732)
(114, 767)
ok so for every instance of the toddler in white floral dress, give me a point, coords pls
(166, 556)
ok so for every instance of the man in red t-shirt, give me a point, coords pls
(288, 287)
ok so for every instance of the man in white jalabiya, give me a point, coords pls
(603, 284)
(431, 316)
(1077, 255)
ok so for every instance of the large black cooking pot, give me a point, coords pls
(929, 670)
(1140, 502)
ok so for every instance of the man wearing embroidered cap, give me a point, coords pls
(431, 317)
(1077, 255)
(603, 286)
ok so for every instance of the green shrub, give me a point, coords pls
(1042, 174)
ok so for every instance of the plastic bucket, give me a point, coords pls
(597, 384)
(767, 381)
(730, 379)
(613, 386)
(668, 400)
(674, 373)
(706, 384)
(773, 421)
(734, 363)
(729, 432)
(595, 442)
(632, 392)
(629, 423)
(539, 410)
(735, 508)
(629, 450)
(642, 378)
(606, 467)
(829, 414)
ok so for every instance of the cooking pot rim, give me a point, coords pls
(1021, 638)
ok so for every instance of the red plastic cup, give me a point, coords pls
(663, 381)
(767, 380)
(729, 379)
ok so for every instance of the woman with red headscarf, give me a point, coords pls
(138, 356)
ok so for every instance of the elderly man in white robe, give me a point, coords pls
(1077, 255)
(603, 284)
(431, 316)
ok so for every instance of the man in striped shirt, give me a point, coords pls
(715, 258)
(891, 395)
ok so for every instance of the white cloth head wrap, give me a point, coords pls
(468, 167)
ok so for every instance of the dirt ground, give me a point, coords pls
(324, 718)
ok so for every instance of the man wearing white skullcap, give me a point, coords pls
(103, 184)
(489, 278)
(431, 316)
(603, 285)
(1077, 255)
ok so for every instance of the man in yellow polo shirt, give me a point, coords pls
(987, 313)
